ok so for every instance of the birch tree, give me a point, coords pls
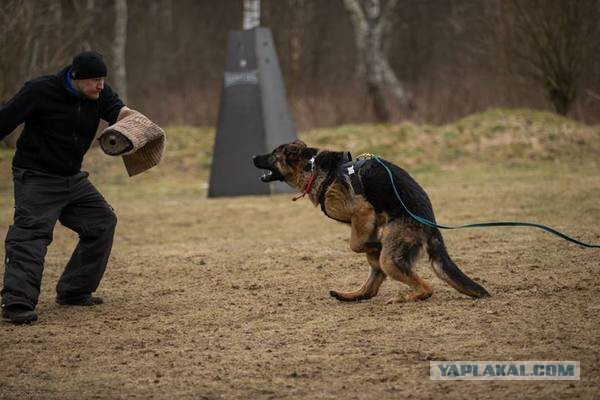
(251, 14)
(118, 49)
(370, 21)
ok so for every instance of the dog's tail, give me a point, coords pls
(449, 272)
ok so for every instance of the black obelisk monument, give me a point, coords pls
(254, 116)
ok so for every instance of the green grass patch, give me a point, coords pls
(497, 137)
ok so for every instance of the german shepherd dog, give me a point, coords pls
(380, 227)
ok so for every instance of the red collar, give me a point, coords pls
(307, 187)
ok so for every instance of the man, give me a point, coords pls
(61, 115)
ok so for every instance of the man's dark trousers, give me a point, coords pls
(40, 200)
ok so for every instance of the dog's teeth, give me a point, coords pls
(266, 176)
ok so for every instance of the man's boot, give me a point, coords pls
(19, 314)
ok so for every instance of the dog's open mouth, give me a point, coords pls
(270, 171)
(270, 176)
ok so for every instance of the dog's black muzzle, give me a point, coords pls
(265, 161)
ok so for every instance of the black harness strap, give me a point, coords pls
(352, 169)
(331, 175)
(328, 181)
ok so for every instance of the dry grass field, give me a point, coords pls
(228, 298)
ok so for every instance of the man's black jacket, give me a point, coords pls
(59, 124)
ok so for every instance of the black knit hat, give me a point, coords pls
(88, 64)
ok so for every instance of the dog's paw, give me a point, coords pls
(349, 296)
(345, 296)
(336, 295)
(396, 300)
(410, 297)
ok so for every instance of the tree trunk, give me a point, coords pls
(168, 15)
(370, 20)
(562, 100)
(551, 44)
(251, 14)
(119, 45)
(88, 20)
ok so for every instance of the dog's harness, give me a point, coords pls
(352, 169)
(331, 175)
(321, 194)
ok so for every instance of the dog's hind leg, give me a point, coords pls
(397, 260)
(369, 288)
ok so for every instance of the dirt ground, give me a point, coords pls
(228, 298)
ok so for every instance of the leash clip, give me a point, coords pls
(365, 156)
(310, 165)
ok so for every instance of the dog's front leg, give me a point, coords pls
(363, 236)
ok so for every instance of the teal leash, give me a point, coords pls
(426, 222)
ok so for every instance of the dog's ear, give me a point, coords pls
(293, 151)
(299, 143)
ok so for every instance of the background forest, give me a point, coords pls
(449, 58)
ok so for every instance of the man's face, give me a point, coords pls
(90, 88)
